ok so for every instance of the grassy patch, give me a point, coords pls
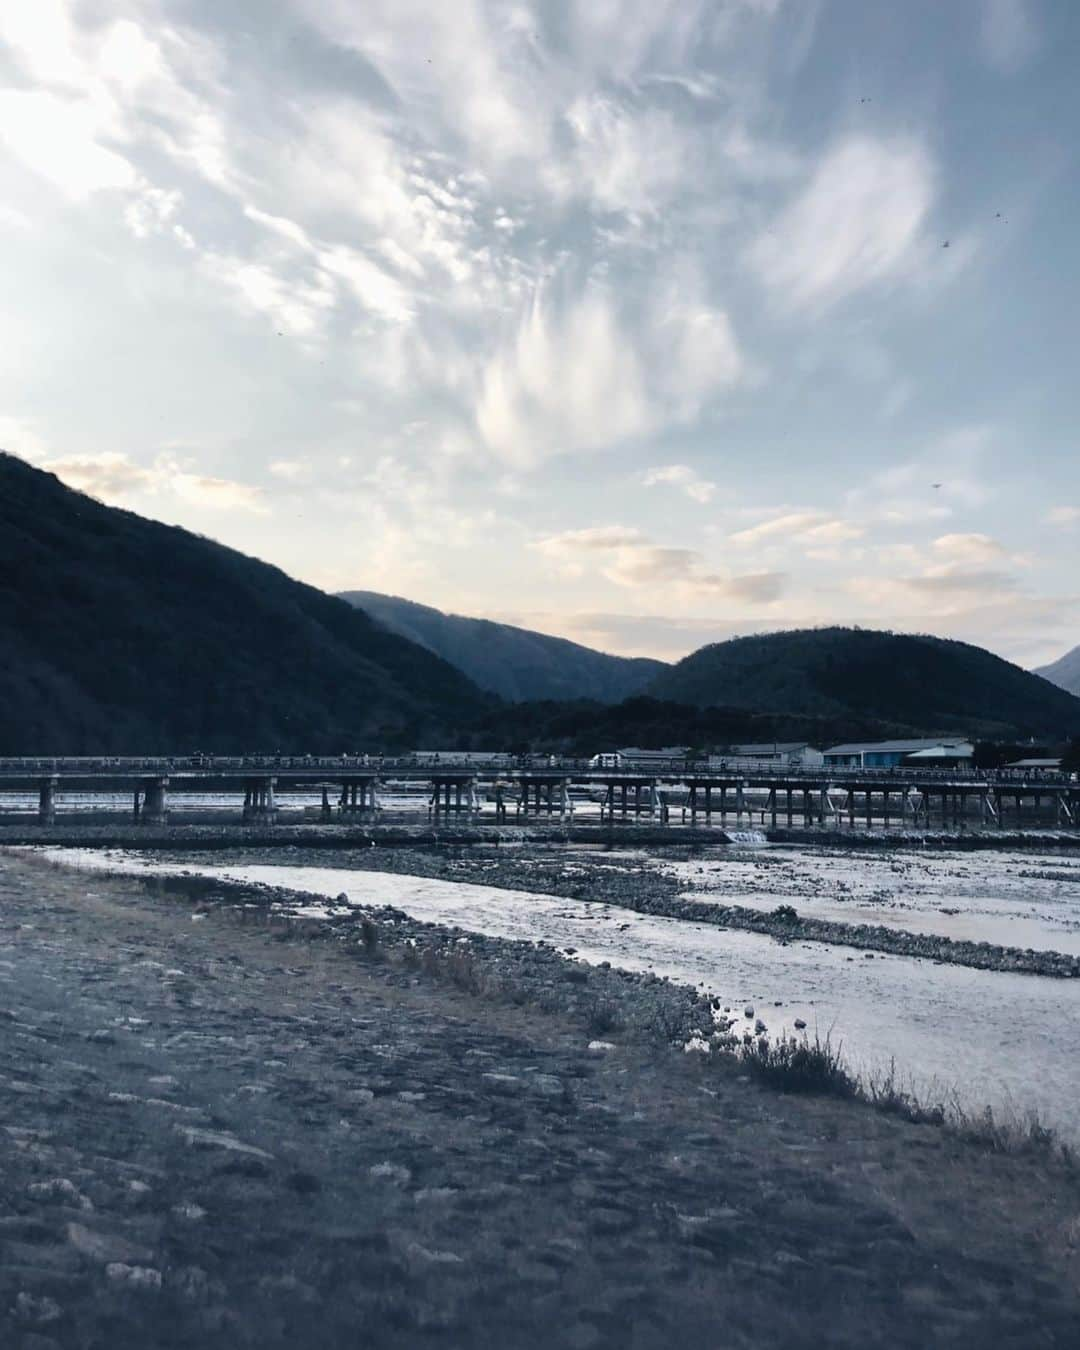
(797, 1064)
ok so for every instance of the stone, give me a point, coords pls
(546, 1085)
(388, 1171)
(36, 1310)
(748, 1011)
(431, 1257)
(197, 1138)
(135, 1277)
(61, 1190)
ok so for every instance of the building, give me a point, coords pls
(947, 753)
(633, 757)
(788, 753)
(1036, 766)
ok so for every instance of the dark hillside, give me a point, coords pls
(119, 634)
(514, 663)
(922, 682)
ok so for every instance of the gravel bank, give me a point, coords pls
(218, 1133)
(612, 882)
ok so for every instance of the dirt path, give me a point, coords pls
(211, 1137)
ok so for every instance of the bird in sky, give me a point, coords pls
(935, 485)
(945, 244)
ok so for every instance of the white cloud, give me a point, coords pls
(786, 526)
(630, 559)
(569, 380)
(579, 375)
(57, 138)
(117, 479)
(1063, 515)
(969, 548)
(856, 224)
(20, 436)
(685, 478)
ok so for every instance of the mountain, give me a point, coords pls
(513, 662)
(925, 683)
(122, 635)
(1064, 672)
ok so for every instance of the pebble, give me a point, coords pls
(388, 1171)
(135, 1277)
(38, 1310)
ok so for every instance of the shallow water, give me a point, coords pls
(1010, 898)
(997, 1038)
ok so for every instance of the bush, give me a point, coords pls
(799, 1065)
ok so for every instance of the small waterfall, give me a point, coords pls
(746, 837)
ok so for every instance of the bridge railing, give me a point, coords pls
(898, 776)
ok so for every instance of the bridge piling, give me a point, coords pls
(47, 802)
(155, 810)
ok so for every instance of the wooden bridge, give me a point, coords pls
(349, 787)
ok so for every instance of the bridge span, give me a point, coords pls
(347, 788)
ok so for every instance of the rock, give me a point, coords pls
(135, 1277)
(546, 1085)
(191, 1282)
(388, 1171)
(61, 1190)
(197, 1138)
(36, 1310)
(107, 1248)
(427, 1256)
(748, 1011)
(502, 1082)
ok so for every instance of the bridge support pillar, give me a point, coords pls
(47, 802)
(259, 805)
(155, 809)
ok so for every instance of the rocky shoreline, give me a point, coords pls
(213, 833)
(651, 893)
(223, 1131)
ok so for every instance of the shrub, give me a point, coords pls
(799, 1065)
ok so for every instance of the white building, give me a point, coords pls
(946, 753)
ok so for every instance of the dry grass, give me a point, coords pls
(797, 1064)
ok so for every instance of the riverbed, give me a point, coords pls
(992, 1038)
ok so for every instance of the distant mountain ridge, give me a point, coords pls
(1064, 672)
(926, 683)
(515, 663)
(122, 635)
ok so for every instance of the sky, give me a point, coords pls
(640, 322)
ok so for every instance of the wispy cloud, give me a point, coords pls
(630, 559)
(857, 223)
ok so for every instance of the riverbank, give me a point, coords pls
(219, 1132)
(90, 830)
(644, 891)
